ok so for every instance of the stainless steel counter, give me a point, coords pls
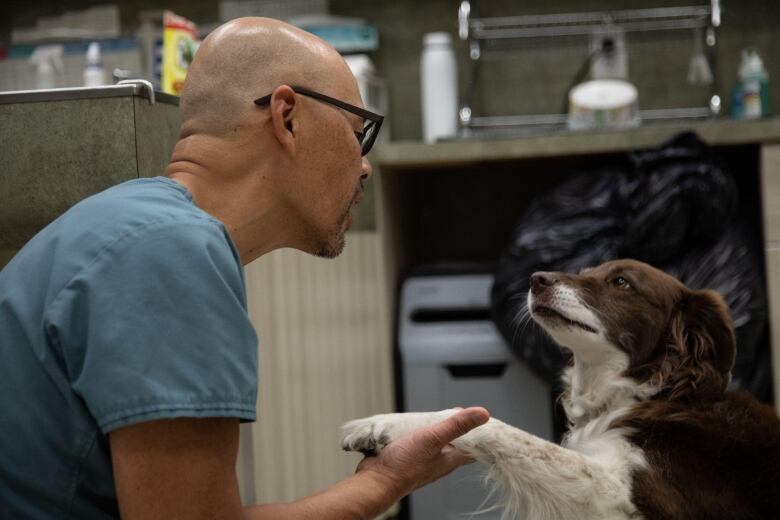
(61, 145)
(142, 89)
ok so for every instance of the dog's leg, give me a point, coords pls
(540, 480)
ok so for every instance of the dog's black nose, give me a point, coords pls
(540, 281)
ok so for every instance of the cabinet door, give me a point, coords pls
(770, 188)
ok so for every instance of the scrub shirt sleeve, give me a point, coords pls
(156, 327)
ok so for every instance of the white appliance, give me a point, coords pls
(453, 355)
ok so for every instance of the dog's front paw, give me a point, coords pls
(372, 434)
(367, 436)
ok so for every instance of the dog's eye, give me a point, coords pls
(621, 282)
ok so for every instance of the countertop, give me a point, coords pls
(402, 155)
(138, 88)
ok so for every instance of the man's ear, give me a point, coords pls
(283, 106)
(701, 346)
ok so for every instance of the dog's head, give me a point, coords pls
(675, 338)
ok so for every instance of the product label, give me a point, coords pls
(752, 99)
(179, 35)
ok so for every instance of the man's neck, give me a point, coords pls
(242, 202)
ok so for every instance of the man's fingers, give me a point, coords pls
(460, 423)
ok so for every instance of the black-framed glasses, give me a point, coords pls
(371, 121)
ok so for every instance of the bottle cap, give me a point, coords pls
(93, 54)
(437, 38)
(750, 64)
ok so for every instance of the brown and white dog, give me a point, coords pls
(653, 434)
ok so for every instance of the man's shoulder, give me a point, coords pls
(157, 214)
(141, 200)
(134, 209)
(133, 217)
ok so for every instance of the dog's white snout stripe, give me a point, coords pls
(566, 300)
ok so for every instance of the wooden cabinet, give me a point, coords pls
(458, 201)
(770, 195)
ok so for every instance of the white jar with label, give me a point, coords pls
(439, 82)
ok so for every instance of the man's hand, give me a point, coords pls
(185, 468)
(425, 455)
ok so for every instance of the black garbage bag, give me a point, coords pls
(673, 207)
(732, 266)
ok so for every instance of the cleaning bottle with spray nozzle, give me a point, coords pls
(754, 85)
(48, 62)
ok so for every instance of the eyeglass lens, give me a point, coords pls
(367, 138)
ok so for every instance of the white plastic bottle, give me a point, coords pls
(94, 75)
(439, 80)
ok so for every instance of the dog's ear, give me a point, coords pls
(700, 347)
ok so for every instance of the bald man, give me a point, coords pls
(127, 359)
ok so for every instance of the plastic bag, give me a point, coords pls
(674, 208)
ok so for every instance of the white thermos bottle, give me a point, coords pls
(439, 78)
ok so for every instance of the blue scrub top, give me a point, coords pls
(130, 307)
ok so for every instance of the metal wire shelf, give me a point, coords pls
(485, 35)
(539, 26)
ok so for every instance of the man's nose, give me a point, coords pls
(366, 169)
(541, 281)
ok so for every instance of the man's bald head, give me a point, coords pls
(245, 59)
(285, 174)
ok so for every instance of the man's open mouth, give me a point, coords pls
(548, 312)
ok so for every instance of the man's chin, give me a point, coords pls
(331, 248)
(333, 245)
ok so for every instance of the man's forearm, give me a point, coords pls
(362, 496)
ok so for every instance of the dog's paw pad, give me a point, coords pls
(363, 435)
